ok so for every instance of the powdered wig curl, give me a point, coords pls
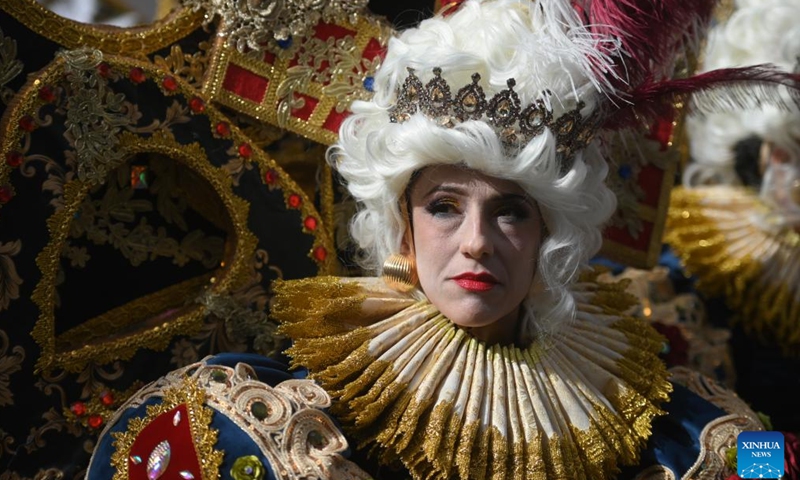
(543, 46)
(758, 32)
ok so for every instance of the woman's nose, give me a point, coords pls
(475, 240)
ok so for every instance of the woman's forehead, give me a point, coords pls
(434, 177)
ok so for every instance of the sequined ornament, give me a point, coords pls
(247, 468)
(158, 461)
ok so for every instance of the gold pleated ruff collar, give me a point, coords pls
(419, 390)
(730, 240)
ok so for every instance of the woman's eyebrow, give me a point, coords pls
(447, 189)
(514, 197)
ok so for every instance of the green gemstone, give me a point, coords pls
(316, 439)
(219, 376)
(259, 410)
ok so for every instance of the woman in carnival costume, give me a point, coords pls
(734, 223)
(485, 348)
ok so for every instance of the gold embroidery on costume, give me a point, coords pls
(656, 472)
(719, 435)
(112, 219)
(133, 42)
(723, 236)
(285, 421)
(155, 138)
(189, 66)
(251, 25)
(288, 86)
(402, 375)
(192, 396)
(10, 67)
(10, 363)
(9, 278)
(95, 118)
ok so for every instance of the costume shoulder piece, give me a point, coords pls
(577, 404)
(231, 417)
(726, 237)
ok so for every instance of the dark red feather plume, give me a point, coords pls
(651, 32)
(723, 90)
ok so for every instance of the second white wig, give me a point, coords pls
(757, 32)
(543, 46)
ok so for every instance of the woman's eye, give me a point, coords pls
(442, 207)
(513, 212)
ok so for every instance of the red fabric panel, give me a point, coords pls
(305, 112)
(183, 456)
(651, 179)
(245, 83)
(621, 235)
(334, 120)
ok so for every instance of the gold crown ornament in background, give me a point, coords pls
(516, 126)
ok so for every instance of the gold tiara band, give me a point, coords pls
(515, 126)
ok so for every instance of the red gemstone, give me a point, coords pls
(310, 223)
(14, 159)
(320, 254)
(95, 421)
(169, 83)
(5, 194)
(136, 75)
(78, 408)
(107, 399)
(245, 150)
(27, 123)
(104, 69)
(271, 177)
(197, 105)
(295, 200)
(47, 94)
(223, 129)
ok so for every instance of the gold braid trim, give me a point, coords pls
(190, 394)
(714, 233)
(418, 389)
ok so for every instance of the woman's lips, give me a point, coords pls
(475, 282)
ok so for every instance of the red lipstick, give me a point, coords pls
(476, 282)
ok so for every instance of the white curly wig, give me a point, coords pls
(543, 46)
(757, 32)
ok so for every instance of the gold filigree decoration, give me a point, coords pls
(656, 472)
(108, 220)
(254, 25)
(404, 378)
(343, 79)
(297, 72)
(133, 42)
(102, 404)
(95, 115)
(243, 324)
(73, 191)
(9, 278)
(10, 66)
(204, 437)
(719, 435)
(9, 364)
(286, 421)
(723, 236)
(189, 66)
(183, 321)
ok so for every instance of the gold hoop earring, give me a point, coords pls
(400, 273)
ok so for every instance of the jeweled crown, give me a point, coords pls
(516, 126)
